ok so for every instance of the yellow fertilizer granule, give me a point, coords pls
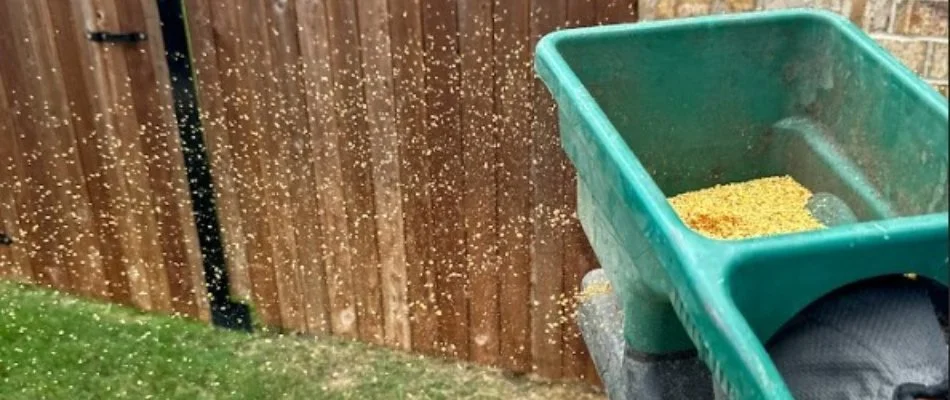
(760, 207)
(594, 290)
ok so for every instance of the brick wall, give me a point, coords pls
(914, 30)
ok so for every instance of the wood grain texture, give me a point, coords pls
(550, 211)
(14, 259)
(304, 283)
(513, 82)
(275, 25)
(581, 13)
(350, 107)
(240, 83)
(74, 54)
(444, 141)
(385, 159)
(323, 122)
(271, 209)
(481, 190)
(56, 219)
(102, 176)
(177, 283)
(579, 259)
(214, 124)
(129, 230)
(408, 61)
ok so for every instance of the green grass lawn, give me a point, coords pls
(54, 346)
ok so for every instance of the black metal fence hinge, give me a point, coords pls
(114, 37)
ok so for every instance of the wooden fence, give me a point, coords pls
(386, 170)
(92, 186)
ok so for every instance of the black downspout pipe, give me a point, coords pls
(224, 312)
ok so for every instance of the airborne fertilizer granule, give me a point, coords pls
(760, 207)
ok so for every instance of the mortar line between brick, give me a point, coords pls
(909, 38)
(928, 54)
(892, 18)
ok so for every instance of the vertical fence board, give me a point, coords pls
(307, 265)
(151, 103)
(129, 229)
(74, 56)
(315, 49)
(350, 107)
(408, 58)
(14, 259)
(307, 275)
(578, 260)
(274, 66)
(97, 154)
(385, 160)
(512, 94)
(444, 141)
(268, 208)
(79, 247)
(549, 213)
(480, 194)
(247, 97)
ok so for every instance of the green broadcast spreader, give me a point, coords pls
(654, 109)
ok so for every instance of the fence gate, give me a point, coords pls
(93, 191)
